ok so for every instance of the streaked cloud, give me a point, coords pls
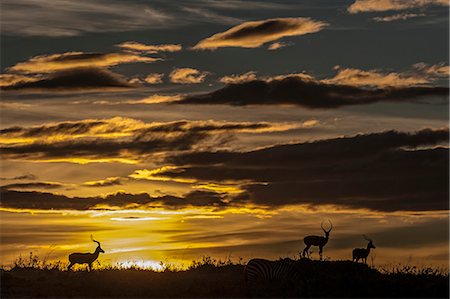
(397, 17)
(33, 200)
(233, 79)
(385, 5)
(187, 76)
(65, 18)
(119, 139)
(150, 49)
(256, 33)
(210, 16)
(64, 61)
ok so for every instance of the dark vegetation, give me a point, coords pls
(32, 278)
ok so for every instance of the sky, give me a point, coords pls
(232, 129)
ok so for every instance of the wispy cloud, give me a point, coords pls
(187, 76)
(112, 181)
(441, 69)
(56, 18)
(150, 49)
(385, 5)
(397, 17)
(210, 16)
(256, 33)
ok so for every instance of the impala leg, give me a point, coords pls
(306, 251)
(70, 266)
(320, 252)
(90, 267)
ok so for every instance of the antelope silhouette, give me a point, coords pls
(85, 258)
(363, 253)
(317, 241)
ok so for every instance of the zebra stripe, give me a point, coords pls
(258, 270)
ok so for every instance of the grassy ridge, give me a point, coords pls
(209, 278)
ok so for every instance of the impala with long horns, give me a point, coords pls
(85, 258)
(317, 241)
(363, 253)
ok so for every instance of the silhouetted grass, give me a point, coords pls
(32, 278)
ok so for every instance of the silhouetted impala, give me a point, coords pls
(85, 258)
(362, 253)
(317, 241)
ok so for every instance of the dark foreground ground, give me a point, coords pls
(324, 279)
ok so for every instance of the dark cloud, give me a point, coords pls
(75, 79)
(385, 171)
(133, 148)
(33, 185)
(295, 90)
(49, 201)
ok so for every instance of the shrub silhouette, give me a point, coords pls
(215, 278)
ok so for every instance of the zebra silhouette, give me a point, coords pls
(282, 276)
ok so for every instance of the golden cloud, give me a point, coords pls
(357, 77)
(437, 70)
(70, 60)
(13, 79)
(157, 175)
(256, 33)
(156, 99)
(277, 45)
(111, 181)
(187, 76)
(135, 46)
(384, 5)
(154, 78)
(248, 76)
(118, 139)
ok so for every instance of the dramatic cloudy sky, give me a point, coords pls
(171, 130)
